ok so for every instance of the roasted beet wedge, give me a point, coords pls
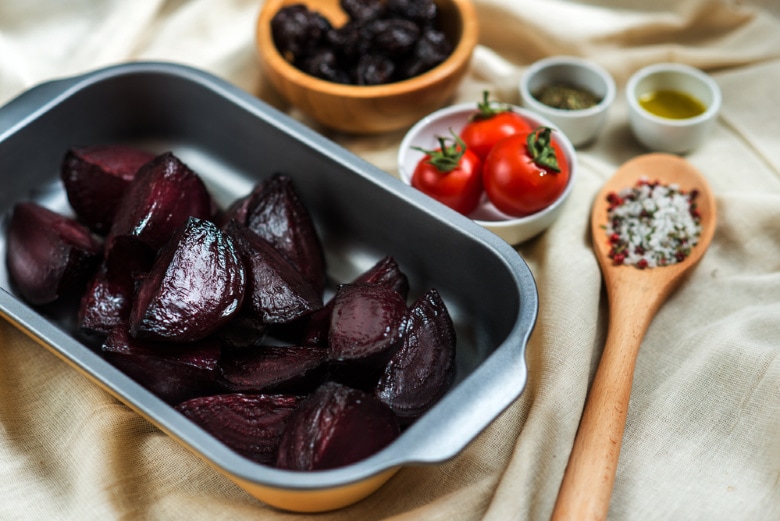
(195, 286)
(106, 302)
(48, 255)
(239, 209)
(128, 255)
(314, 331)
(386, 272)
(244, 331)
(250, 424)
(277, 213)
(422, 370)
(161, 197)
(173, 372)
(333, 427)
(95, 179)
(276, 292)
(367, 326)
(288, 369)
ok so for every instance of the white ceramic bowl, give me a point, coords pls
(666, 134)
(580, 126)
(513, 230)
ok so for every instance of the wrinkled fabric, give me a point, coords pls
(702, 438)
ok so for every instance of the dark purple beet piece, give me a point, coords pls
(385, 272)
(127, 255)
(161, 197)
(106, 302)
(48, 255)
(244, 331)
(277, 213)
(289, 369)
(423, 369)
(276, 291)
(173, 372)
(367, 326)
(195, 286)
(95, 179)
(333, 427)
(239, 209)
(250, 424)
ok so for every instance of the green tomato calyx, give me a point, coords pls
(541, 150)
(488, 109)
(447, 157)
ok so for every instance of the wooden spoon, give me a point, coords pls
(635, 296)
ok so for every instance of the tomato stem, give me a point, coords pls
(487, 109)
(447, 157)
(541, 150)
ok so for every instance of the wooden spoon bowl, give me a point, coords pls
(634, 295)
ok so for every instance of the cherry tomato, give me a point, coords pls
(490, 125)
(451, 174)
(525, 173)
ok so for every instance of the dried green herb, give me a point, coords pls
(566, 96)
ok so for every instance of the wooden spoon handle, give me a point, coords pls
(587, 483)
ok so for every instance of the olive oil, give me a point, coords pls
(671, 104)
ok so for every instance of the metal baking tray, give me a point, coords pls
(232, 139)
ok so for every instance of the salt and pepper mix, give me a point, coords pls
(652, 224)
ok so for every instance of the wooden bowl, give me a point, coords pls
(372, 109)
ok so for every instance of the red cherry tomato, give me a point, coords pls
(490, 125)
(525, 173)
(451, 174)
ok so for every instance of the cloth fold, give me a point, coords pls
(702, 439)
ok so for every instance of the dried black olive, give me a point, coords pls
(346, 40)
(374, 69)
(297, 30)
(419, 11)
(383, 41)
(363, 9)
(395, 36)
(432, 48)
(324, 64)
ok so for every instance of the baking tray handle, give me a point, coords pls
(457, 426)
(32, 102)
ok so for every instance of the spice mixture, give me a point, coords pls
(566, 96)
(652, 224)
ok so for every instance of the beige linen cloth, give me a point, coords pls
(702, 439)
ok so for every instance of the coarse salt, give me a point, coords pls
(652, 224)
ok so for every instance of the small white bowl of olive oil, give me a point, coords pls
(672, 106)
